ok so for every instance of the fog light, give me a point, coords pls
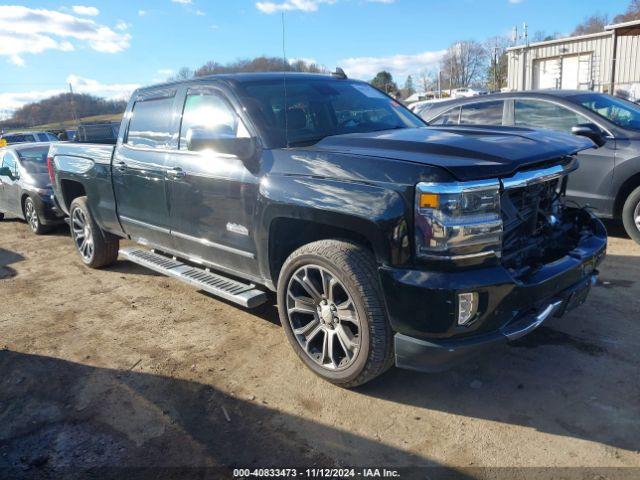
(467, 307)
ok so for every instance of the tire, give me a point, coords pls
(631, 215)
(33, 217)
(96, 247)
(1, 216)
(355, 301)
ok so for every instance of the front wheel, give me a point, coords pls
(96, 247)
(333, 314)
(631, 215)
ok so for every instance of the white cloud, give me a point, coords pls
(122, 25)
(142, 13)
(28, 30)
(183, 2)
(84, 10)
(400, 66)
(515, 1)
(301, 5)
(114, 91)
(200, 13)
(289, 5)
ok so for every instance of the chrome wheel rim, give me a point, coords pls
(323, 317)
(636, 216)
(31, 215)
(82, 234)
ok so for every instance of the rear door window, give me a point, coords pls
(541, 114)
(484, 113)
(450, 117)
(151, 124)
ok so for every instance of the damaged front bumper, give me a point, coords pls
(422, 305)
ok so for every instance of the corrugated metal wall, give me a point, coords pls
(628, 62)
(599, 46)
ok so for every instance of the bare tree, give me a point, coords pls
(184, 73)
(592, 24)
(632, 13)
(497, 70)
(464, 64)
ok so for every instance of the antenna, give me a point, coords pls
(73, 106)
(284, 80)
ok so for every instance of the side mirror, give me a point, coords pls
(591, 131)
(6, 172)
(221, 140)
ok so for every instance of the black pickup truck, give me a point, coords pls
(385, 240)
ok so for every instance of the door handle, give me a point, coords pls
(176, 172)
(121, 166)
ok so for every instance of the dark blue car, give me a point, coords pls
(25, 187)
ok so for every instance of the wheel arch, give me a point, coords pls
(71, 189)
(368, 215)
(624, 191)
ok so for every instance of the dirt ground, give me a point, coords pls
(122, 367)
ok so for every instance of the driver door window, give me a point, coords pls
(541, 114)
(211, 112)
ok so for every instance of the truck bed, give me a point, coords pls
(74, 164)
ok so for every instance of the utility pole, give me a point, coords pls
(73, 106)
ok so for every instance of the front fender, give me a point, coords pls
(374, 212)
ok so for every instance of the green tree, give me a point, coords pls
(384, 81)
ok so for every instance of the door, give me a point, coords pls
(212, 196)
(590, 185)
(10, 196)
(546, 73)
(139, 166)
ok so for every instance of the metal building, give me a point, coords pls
(608, 61)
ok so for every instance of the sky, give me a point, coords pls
(110, 47)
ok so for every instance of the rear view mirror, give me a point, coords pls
(221, 140)
(6, 172)
(591, 131)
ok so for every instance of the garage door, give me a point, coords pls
(569, 73)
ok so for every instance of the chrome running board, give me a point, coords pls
(234, 291)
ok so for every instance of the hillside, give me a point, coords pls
(62, 110)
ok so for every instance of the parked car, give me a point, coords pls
(466, 92)
(28, 137)
(386, 241)
(420, 107)
(25, 186)
(608, 180)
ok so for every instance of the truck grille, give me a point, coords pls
(533, 228)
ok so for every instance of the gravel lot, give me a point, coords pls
(125, 367)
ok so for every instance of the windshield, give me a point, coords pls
(34, 160)
(620, 112)
(317, 108)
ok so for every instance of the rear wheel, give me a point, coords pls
(331, 308)
(96, 247)
(33, 216)
(1, 216)
(631, 215)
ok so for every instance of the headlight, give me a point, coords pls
(458, 219)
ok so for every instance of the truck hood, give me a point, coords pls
(468, 153)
